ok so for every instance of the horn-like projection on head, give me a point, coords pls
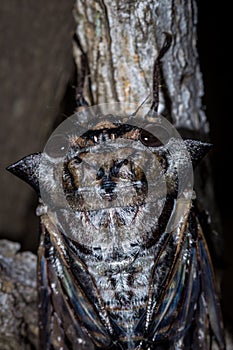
(197, 150)
(27, 169)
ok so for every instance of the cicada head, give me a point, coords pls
(115, 176)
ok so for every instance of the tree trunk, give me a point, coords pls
(18, 298)
(121, 40)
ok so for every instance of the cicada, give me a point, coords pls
(122, 260)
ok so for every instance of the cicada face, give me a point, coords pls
(107, 176)
(104, 182)
(122, 262)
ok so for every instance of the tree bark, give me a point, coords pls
(121, 40)
(18, 298)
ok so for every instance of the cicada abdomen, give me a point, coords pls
(122, 261)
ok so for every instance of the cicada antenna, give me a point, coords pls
(140, 106)
(156, 72)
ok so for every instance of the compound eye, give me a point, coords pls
(149, 140)
(57, 146)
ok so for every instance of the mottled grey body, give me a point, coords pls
(123, 263)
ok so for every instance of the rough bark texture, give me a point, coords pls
(18, 298)
(121, 39)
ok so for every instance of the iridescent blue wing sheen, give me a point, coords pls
(71, 316)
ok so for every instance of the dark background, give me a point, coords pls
(215, 54)
(36, 69)
(36, 73)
